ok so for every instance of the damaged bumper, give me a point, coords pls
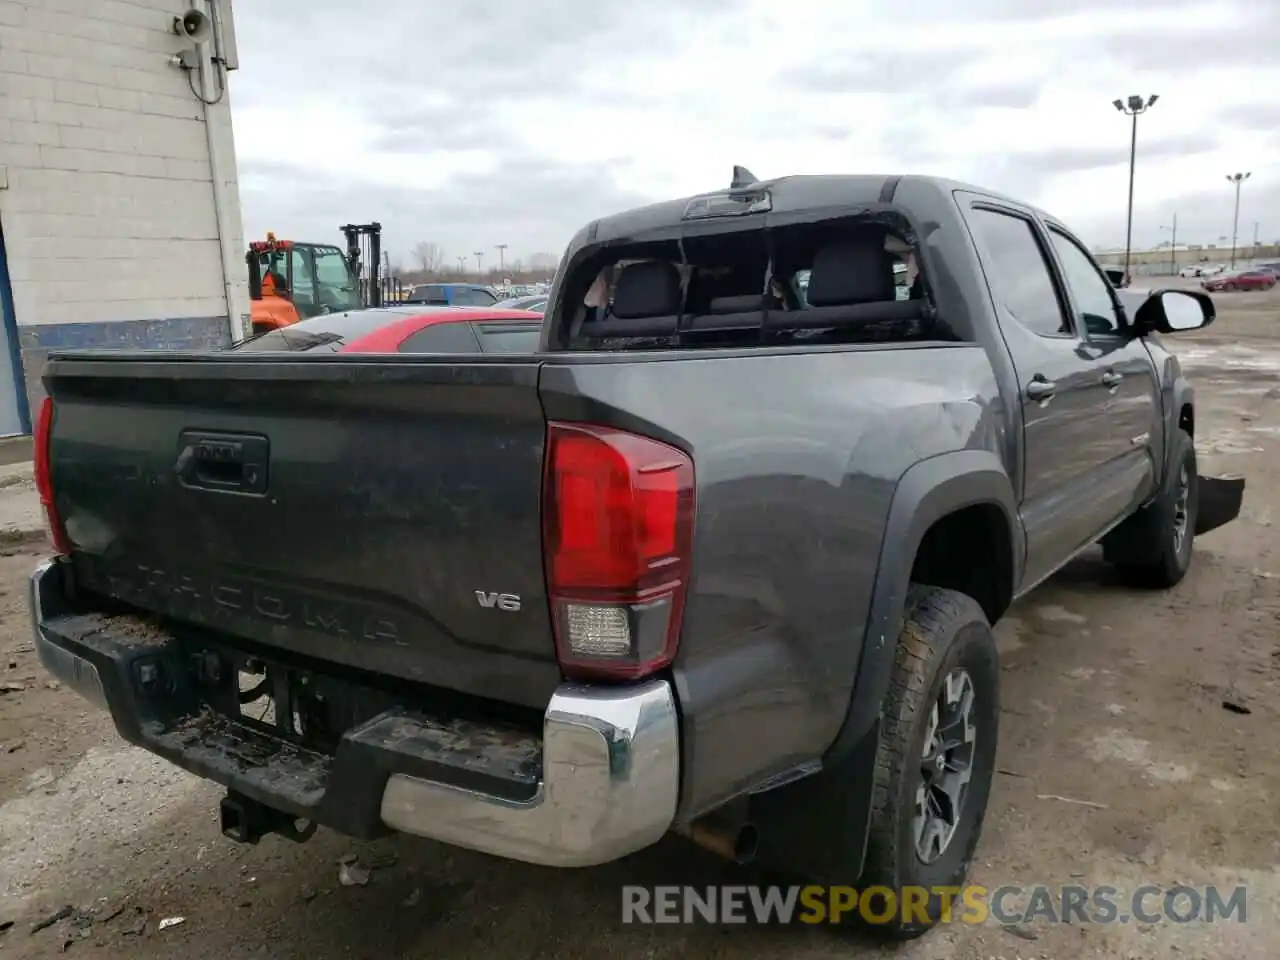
(599, 782)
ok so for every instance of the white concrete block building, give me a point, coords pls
(119, 209)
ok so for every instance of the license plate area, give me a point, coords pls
(304, 706)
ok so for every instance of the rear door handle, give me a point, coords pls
(1112, 379)
(1040, 389)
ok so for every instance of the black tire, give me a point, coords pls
(1159, 540)
(944, 634)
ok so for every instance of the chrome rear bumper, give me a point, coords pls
(610, 756)
(610, 785)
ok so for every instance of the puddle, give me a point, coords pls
(1229, 441)
(1230, 357)
(1234, 391)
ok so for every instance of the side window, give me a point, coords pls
(427, 294)
(1089, 289)
(469, 297)
(508, 337)
(453, 337)
(1018, 272)
(304, 283)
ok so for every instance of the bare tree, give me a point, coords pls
(428, 256)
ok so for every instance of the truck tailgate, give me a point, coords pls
(383, 515)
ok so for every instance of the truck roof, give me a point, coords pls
(788, 194)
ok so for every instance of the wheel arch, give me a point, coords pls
(1179, 415)
(819, 825)
(969, 488)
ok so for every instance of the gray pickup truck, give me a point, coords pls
(721, 558)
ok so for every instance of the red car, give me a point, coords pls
(406, 329)
(1244, 280)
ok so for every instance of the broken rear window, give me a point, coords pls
(850, 280)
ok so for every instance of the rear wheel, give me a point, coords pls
(935, 760)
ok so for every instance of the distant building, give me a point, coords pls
(1167, 259)
(119, 206)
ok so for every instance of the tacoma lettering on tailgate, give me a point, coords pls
(216, 600)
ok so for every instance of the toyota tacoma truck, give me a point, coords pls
(720, 558)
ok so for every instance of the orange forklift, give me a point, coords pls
(291, 281)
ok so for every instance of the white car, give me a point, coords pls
(1191, 271)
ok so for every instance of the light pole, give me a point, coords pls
(502, 257)
(1237, 179)
(1173, 244)
(479, 255)
(462, 266)
(1134, 106)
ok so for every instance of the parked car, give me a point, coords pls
(1240, 280)
(711, 561)
(537, 303)
(405, 330)
(452, 295)
(1191, 270)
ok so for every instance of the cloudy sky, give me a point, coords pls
(470, 125)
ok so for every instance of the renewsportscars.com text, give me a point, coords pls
(973, 904)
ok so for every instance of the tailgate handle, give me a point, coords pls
(226, 462)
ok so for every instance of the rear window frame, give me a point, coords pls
(585, 264)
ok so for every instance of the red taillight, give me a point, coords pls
(617, 526)
(44, 485)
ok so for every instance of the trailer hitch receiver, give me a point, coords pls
(247, 821)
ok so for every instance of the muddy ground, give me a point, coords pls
(1114, 701)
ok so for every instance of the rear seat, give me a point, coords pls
(646, 303)
(851, 280)
(729, 313)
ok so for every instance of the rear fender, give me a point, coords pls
(818, 825)
(926, 493)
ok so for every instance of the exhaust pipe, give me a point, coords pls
(724, 835)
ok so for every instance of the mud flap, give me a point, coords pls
(816, 827)
(1219, 502)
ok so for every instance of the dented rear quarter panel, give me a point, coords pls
(794, 485)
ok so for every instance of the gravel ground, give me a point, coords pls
(1119, 766)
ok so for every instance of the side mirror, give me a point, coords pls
(1174, 311)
